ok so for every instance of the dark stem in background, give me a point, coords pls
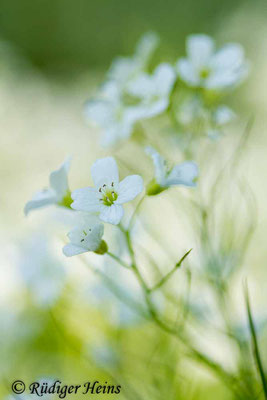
(254, 341)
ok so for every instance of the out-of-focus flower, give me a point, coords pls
(221, 116)
(43, 274)
(108, 195)
(196, 118)
(210, 69)
(115, 116)
(58, 192)
(86, 237)
(165, 176)
(123, 69)
(153, 90)
(115, 119)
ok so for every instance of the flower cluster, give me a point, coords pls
(190, 91)
(104, 201)
(133, 93)
(130, 93)
(188, 95)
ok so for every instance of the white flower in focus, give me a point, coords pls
(57, 193)
(108, 195)
(181, 174)
(153, 90)
(87, 237)
(216, 70)
(115, 119)
(123, 69)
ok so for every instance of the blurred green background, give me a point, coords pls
(71, 36)
(53, 55)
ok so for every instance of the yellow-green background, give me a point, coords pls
(53, 54)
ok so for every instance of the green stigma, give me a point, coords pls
(109, 196)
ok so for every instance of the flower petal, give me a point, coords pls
(183, 174)
(41, 199)
(223, 115)
(86, 199)
(129, 188)
(123, 69)
(105, 171)
(155, 108)
(225, 78)
(142, 86)
(199, 49)
(187, 72)
(164, 77)
(87, 236)
(229, 56)
(159, 165)
(146, 47)
(99, 111)
(111, 91)
(158, 84)
(112, 214)
(59, 179)
(72, 250)
(93, 240)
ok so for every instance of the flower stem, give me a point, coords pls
(134, 214)
(227, 377)
(119, 261)
(167, 276)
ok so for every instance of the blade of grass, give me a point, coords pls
(254, 340)
(167, 276)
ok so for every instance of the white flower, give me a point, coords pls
(114, 111)
(57, 193)
(223, 115)
(115, 119)
(86, 237)
(108, 195)
(123, 69)
(181, 174)
(153, 90)
(210, 69)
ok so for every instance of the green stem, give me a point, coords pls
(194, 353)
(135, 212)
(119, 261)
(169, 274)
(254, 339)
